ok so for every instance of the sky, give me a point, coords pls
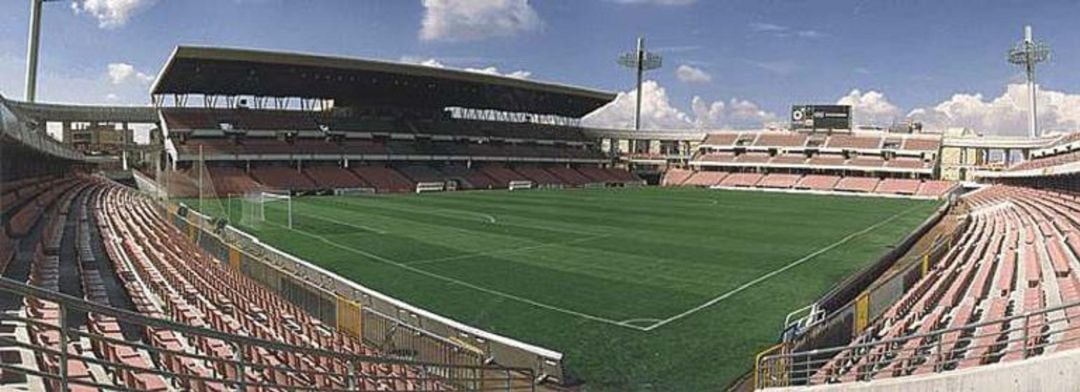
(727, 64)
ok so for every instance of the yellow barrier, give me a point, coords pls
(776, 370)
(925, 264)
(234, 258)
(349, 319)
(862, 312)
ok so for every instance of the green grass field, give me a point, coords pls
(640, 288)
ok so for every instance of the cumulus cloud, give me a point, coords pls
(871, 108)
(735, 114)
(519, 74)
(690, 74)
(469, 20)
(1005, 114)
(490, 70)
(657, 112)
(111, 14)
(120, 73)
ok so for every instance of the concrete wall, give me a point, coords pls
(1047, 373)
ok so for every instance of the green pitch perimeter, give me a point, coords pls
(640, 288)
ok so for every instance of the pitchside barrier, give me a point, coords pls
(353, 191)
(858, 301)
(399, 329)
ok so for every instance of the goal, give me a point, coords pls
(430, 187)
(516, 185)
(267, 206)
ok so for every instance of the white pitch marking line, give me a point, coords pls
(630, 322)
(463, 283)
(778, 271)
(501, 251)
(362, 227)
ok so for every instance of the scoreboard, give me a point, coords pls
(821, 117)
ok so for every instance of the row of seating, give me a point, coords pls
(193, 288)
(235, 181)
(180, 120)
(96, 235)
(306, 146)
(813, 182)
(1017, 255)
(787, 139)
(1048, 161)
(763, 159)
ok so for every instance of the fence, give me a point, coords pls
(247, 362)
(852, 304)
(352, 307)
(1008, 339)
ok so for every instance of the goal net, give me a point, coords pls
(260, 207)
(516, 185)
(430, 187)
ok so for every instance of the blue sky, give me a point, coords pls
(765, 55)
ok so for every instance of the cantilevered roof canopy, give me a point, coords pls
(358, 82)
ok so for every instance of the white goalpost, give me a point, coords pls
(430, 187)
(516, 185)
(255, 207)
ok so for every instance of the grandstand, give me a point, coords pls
(102, 291)
(995, 303)
(864, 162)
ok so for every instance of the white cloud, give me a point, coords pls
(1006, 114)
(469, 20)
(657, 112)
(871, 108)
(762, 27)
(690, 74)
(489, 70)
(519, 74)
(784, 31)
(735, 114)
(111, 13)
(120, 73)
(427, 62)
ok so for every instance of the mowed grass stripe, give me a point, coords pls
(656, 252)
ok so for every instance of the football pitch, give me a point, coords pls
(640, 288)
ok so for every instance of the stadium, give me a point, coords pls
(323, 222)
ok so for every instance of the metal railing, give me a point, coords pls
(65, 350)
(993, 341)
(438, 334)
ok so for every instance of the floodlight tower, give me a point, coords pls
(32, 49)
(641, 61)
(1027, 54)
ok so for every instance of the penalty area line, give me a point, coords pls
(361, 227)
(463, 283)
(777, 271)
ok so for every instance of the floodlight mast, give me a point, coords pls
(641, 61)
(32, 49)
(1027, 54)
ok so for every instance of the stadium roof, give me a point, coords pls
(359, 82)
